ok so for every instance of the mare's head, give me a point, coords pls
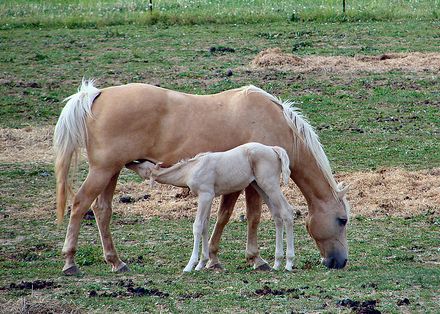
(327, 225)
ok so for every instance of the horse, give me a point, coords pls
(120, 124)
(221, 173)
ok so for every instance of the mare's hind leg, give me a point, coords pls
(95, 183)
(103, 212)
(253, 212)
(224, 213)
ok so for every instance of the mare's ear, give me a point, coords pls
(342, 189)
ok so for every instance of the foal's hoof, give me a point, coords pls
(216, 266)
(71, 271)
(123, 268)
(263, 267)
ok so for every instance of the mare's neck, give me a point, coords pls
(311, 181)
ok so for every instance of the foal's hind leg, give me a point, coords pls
(96, 181)
(103, 212)
(282, 213)
(253, 212)
(224, 213)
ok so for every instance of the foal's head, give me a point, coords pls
(327, 226)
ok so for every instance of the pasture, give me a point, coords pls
(379, 125)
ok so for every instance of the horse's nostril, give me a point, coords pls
(332, 263)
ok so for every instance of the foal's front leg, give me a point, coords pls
(203, 210)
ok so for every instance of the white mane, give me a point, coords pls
(299, 124)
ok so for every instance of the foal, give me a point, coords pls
(221, 173)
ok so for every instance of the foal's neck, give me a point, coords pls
(175, 175)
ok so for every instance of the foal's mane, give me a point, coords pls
(305, 134)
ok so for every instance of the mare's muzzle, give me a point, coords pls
(336, 261)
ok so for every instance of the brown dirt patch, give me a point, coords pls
(414, 61)
(395, 192)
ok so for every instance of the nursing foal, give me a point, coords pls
(221, 173)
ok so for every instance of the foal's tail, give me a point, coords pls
(69, 136)
(285, 162)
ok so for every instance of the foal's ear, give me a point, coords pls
(342, 189)
(158, 166)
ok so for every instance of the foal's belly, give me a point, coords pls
(232, 186)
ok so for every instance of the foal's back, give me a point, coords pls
(235, 169)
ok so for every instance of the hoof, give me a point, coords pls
(263, 267)
(216, 266)
(123, 268)
(71, 271)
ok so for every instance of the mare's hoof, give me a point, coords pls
(263, 267)
(123, 268)
(71, 271)
(217, 266)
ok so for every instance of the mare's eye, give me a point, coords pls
(342, 221)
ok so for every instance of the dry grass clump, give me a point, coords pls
(37, 305)
(395, 192)
(26, 145)
(273, 57)
(386, 192)
(413, 61)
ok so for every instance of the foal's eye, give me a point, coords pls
(342, 221)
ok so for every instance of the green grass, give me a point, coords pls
(365, 120)
(86, 13)
(386, 271)
(390, 119)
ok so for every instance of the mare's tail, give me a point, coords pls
(69, 136)
(285, 162)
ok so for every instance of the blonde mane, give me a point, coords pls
(306, 134)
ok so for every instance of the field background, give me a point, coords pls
(380, 130)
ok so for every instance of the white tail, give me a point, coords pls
(69, 136)
(285, 162)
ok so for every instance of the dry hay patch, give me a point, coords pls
(386, 192)
(412, 61)
(395, 192)
(29, 144)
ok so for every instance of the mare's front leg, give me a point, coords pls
(224, 214)
(103, 212)
(253, 212)
(94, 184)
(203, 210)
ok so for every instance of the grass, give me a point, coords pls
(342, 106)
(365, 120)
(403, 267)
(86, 13)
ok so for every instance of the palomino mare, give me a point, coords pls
(140, 121)
(221, 173)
